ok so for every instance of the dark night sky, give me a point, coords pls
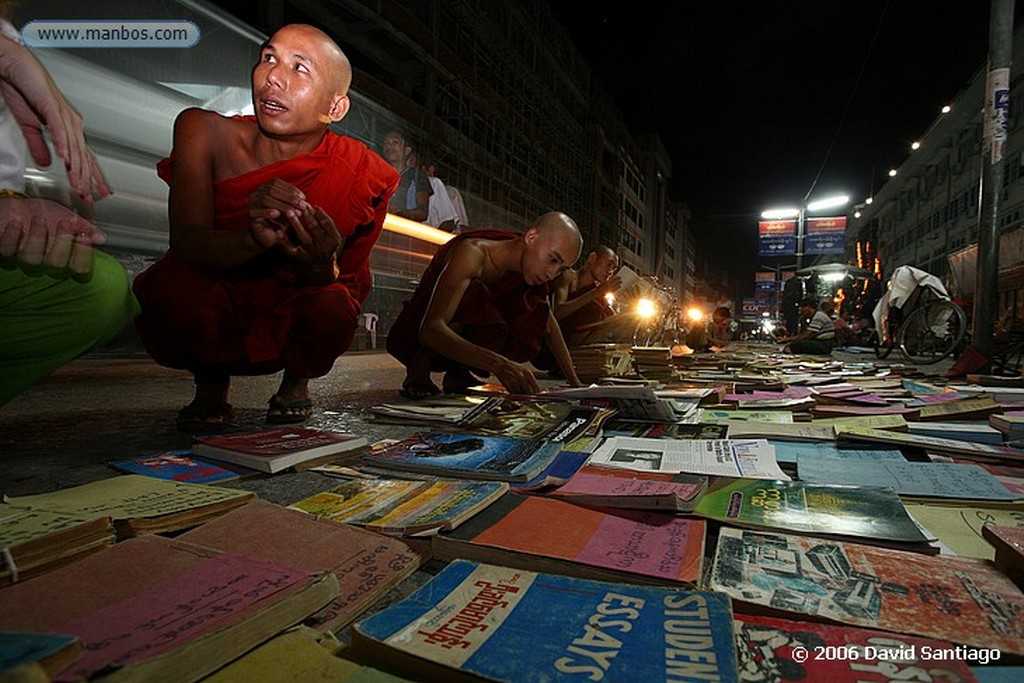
(747, 96)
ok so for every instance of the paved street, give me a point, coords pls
(61, 432)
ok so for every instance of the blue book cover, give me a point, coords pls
(508, 624)
(180, 465)
(468, 455)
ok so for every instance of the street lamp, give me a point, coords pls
(801, 214)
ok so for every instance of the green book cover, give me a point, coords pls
(864, 512)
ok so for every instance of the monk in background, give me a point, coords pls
(482, 307)
(272, 219)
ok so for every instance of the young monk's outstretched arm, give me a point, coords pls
(436, 334)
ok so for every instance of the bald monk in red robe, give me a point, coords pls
(482, 306)
(272, 219)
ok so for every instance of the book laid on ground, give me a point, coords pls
(615, 487)
(633, 401)
(951, 598)
(974, 408)
(1008, 543)
(970, 449)
(661, 430)
(300, 655)
(795, 452)
(959, 527)
(443, 409)
(51, 652)
(467, 456)
(797, 431)
(366, 565)
(718, 416)
(875, 515)
(274, 450)
(139, 505)
(481, 622)
(772, 650)
(556, 536)
(35, 541)
(404, 507)
(754, 459)
(180, 465)
(964, 481)
(962, 431)
(154, 609)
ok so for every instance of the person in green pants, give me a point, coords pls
(58, 296)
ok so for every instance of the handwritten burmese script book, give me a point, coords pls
(153, 609)
(632, 489)
(769, 650)
(872, 513)
(365, 564)
(467, 456)
(36, 541)
(503, 624)
(395, 506)
(139, 505)
(553, 535)
(951, 598)
(274, 450)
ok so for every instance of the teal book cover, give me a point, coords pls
(506, 624)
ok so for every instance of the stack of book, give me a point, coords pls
(593, 361)
(654, 362)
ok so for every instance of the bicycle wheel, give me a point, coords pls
(932, 331)
(882, 347)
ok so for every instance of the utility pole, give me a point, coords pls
(997, 115)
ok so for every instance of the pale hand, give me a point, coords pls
(42, 232)
(36, 102)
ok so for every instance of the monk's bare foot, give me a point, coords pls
(291, 404)
(416, 388)
(458, 381)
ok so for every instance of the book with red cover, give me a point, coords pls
(545, 534)
(273, 450)
(154, 609)
(951, 598)
(367, 565)
(772, 650)
(1009, 544)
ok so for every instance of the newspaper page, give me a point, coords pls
(750, 458)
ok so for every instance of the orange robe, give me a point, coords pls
(256, 319)
(507, 316)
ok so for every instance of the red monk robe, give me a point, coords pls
(507, 316)
(256, 319)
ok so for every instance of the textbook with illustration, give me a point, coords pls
(180, 464)
(403, 506)
(950, 598)
(868, 514)
(481, 622)
(274, 450)
(467, 456)
(772, 650)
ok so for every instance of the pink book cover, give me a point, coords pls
(609, 481)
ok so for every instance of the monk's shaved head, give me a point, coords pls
(336, 67)
(603, 251)
(556, 223)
